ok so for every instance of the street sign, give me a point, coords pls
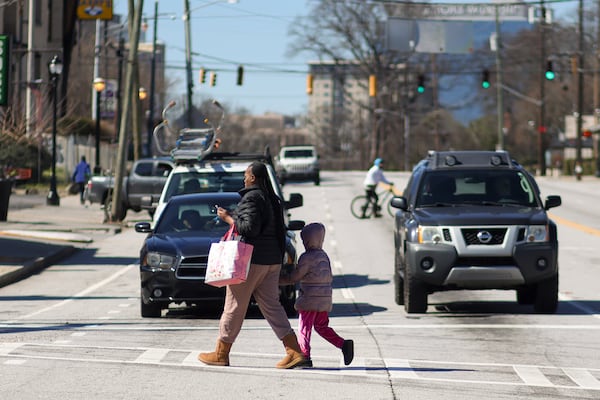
(95, 9)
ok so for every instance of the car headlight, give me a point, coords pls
(536, 233)
(430, 234)
(158, 260)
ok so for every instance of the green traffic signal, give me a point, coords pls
(485, 79)
(421, 83)
(550, 75)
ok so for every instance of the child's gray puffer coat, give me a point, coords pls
(313, 272)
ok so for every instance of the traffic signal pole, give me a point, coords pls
(499, 96)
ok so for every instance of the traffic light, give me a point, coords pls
(372, 86)
(549, 71)
(309, 84)
(421, 83)
(485, 79)
(213, 78)
(240, 75)
(202, 75)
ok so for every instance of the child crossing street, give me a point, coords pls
(314, 301)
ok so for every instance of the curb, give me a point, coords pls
(33, 266)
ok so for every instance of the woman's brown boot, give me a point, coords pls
(294, 357)
(219, 357)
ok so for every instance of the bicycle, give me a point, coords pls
(362, 206)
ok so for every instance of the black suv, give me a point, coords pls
(474, 220)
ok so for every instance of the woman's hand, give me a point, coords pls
(224, 215)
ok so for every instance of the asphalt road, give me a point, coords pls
(74, 331)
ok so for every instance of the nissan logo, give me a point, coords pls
(484, 236)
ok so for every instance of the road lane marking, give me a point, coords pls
(149, 328)
(15, 362)
(575, 225)
(6, 348)
(83, 293)
(152, 356)
(582, 377)
(192, 359)
(347, 293)
(400, 369)
(532, 376)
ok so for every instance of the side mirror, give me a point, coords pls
(552, 201)
(296, 225)
(143, 227)
(296, 200)
(399, 202)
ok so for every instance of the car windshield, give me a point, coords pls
(298, 153)
(205, 182)
(484, 187)
(198, 217)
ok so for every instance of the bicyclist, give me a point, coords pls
(374, 176)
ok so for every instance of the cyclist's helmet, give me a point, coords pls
(378, 161)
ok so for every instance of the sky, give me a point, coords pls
(252, 33)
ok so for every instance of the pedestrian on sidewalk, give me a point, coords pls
(315, 299)
(80, 176)
(259, 220)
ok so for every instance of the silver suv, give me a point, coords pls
(474, 220)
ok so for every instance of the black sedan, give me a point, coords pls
(174, 255)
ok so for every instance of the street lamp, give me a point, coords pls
(99, 86)
(55, 67)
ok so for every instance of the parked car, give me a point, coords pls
(474, 220)
(298, 163)
(174, 255)
(141, 188)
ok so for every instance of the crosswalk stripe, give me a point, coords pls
(151, 356)
(532, 376)
(6, 348)
(400, 369)
(582, 377)
(191, 358)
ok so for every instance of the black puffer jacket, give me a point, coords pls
(260, 222)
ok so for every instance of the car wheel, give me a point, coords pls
(546, 296)
(398, 283)
(151, 310)
(526, 295)
(415, 294)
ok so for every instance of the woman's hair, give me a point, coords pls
(259, 170)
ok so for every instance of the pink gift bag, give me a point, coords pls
(228, 261)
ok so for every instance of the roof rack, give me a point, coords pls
(450, 159)
(192, 144)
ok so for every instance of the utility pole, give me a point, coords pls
(30, 69)
(188, 60)
(134, 39)
(542, 126)
(150, 122)
(580, 68)
(499, 98)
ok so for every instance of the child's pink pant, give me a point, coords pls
(320, 321)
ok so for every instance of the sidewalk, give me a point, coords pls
(36, 237)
